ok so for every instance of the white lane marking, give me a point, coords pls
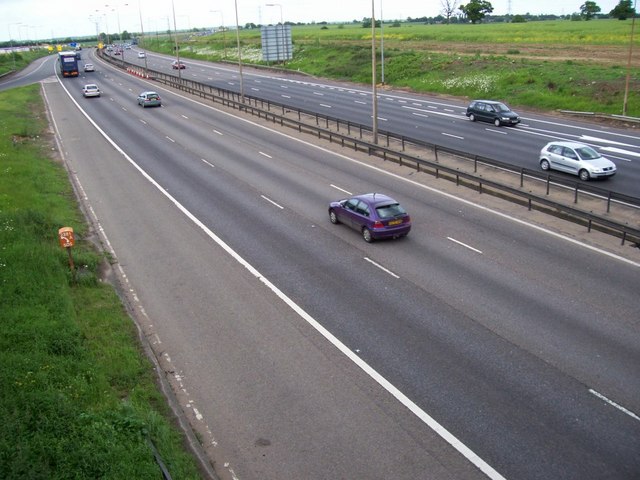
(272, 202)
(453, 136)
(265, 154)
(124, 109)
(255, 89)
(360, 102)
(284, 86)
(325, 105)
(464, 245)
(493, 130)
(142, 121)
(285, 96)
(444, 114)
(614, 404)
(208, 163)
(587, 138)
(381, 267)
(373, 374)
(341, 189)
(170, 139)
(217, 132)
(419, 114)
(319, 93)
(185, 117)
(620, 151)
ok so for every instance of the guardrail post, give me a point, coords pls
(521, 177)
(575, 197)
(609, 202)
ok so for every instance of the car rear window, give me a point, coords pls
(391, 210)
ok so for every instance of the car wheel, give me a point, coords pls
(584, 175)
(333, 217)
(544, 165)
(472, 117)
(366, 234)
(496, 122)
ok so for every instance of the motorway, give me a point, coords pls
(477, 347)
(435, 120)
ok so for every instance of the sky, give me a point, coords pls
(44, 19)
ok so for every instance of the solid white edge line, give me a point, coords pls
(383, 382)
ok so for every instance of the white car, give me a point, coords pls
(141, 55)
(577, 159)
(91, 90)
(88, 67)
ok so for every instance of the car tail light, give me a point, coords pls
(378, 224)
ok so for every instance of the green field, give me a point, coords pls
(546, 65)
(78, 398)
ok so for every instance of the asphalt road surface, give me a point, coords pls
(478, 347)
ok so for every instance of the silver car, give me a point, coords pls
(577, 159)
(91, 90)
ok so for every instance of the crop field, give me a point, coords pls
(545, 65)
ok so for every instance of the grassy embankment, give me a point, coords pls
(543, 65)
(77, 394)
(20, 60)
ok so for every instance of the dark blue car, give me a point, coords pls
(374, 215)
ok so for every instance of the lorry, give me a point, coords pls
(68, 64)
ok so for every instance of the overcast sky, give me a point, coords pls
(42, 19)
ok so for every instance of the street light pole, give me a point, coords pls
(175, 31)
(239, 53)
(381, 46)
(626, 83)
(13, 52)
(374, 93)
(146, 67)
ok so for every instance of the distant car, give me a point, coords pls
(491, 111)
(91, 90)
(88, 67)
(149, 99)
(577, 159)
(178, 65)
(141, 55)
(374, 215)
(127, 47)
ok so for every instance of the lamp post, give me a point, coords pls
(381, 46)
(239, 53)
(146, 67)
(224, 36)
(284, 49)
(175, 32)
(374, 93)
(13, 52)
(626, 83)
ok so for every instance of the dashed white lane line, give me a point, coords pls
(452, 136)
(464, 245)
(272, 202)
(614, 404)
(381, 267)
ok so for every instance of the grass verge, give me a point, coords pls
(77, 395)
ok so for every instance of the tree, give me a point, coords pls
(448, 8)
(623, 10)
(589, 9)
(476, 10)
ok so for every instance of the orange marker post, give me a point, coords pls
(67, 240)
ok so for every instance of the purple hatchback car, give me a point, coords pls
(374, 215)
